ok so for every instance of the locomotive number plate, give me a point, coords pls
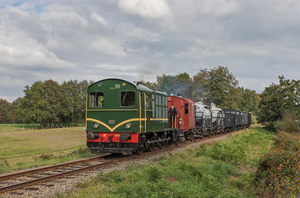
(111, 121)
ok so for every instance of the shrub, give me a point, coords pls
(153, 173)
(289, 122)
(114, 177)
(278, 171)
(253, 119)
(189, 168)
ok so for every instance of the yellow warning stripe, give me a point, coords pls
(129, 120)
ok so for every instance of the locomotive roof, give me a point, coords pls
(139, 86)
(112, 79)
(190, 100)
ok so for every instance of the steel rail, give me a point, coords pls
(23, 173)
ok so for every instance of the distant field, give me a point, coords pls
(23, 146)
(18, 127)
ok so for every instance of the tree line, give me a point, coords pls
(49, 103)
(52, 104)
(217, 85)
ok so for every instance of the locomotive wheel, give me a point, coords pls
(159, 145)
(139, 150)
(151, 147)
(176, 142)
(163, 144)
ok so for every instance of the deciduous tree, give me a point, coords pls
(216, 85)
(277, 99)
(5, 111)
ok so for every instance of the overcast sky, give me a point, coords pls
(139, 39)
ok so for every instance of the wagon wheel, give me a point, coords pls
(192, 137)
(208, 134)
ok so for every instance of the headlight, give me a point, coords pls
(96, 125)
(127, 126)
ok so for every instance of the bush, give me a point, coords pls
(278, 171)
(253, 119)
(113, 177)
(189, 168)
(289, 123)
(153, 173)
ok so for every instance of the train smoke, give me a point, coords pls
(148, 72)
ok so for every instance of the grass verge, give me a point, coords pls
(26, 149)
(18, 127)
(223, 169)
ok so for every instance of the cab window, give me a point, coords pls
(96, 99)
(127, 98)
(147, 102)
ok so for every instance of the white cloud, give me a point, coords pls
(15, 10)
(151, 10)
(32, 58)
(10, 82)
(68, 18)
(219, 7)
(146, 48)
(63, 40)
(158, 54)
(112, 67)
(96, 18)
(108, 47)
(139, 33)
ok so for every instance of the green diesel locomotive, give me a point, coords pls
(122, 117)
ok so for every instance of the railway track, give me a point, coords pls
(20, 180)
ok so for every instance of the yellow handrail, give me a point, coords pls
(140, 112)
(86, 111)
(145, 111)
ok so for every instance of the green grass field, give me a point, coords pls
(22, 149)
(222, 169)
(18, 127)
